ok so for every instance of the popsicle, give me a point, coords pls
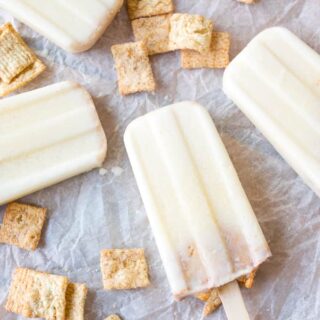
(275, 81)
(205, 229)
(46, 136)
(74, 25)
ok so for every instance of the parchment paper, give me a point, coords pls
(95, 211)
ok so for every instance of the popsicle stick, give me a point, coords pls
(232, 301)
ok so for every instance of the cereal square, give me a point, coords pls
(154, 31)
(36, 294)
(22, 225)
(75, 300)
(133, 67)
(15, 55)
(148, 8)
(124, 269)
(23, 78)
(217, 57)
(190, 32)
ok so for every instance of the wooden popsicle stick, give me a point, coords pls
(232, 301)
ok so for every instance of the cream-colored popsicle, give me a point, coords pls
(46, 136)
(74, 25)
(275, 81)
(203, 224)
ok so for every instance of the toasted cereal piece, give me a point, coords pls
(212, 303)
(124, 269)
(36, 294)
(15, 55)
(113, 317)
(190, 32)
(22, 79)
(203, 296)
(22, 225)
(154, 31)
(217, 57)
(248, 280)
(247, 1)
(75, 300)
(133, 67)
(148, 8)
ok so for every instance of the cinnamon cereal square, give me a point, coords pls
(216, 57)
(34, 294)
(124, 269)
(190, 32)
(154, 31)
(133, 67)
(75, 301)
(148, 8)
(22, 225)
(15, 55)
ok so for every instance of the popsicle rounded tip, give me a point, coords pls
(227, 80)
(188, 104)
(67, 84)
(183, 105)
(104, 144)
(272, 30)
(82, 46)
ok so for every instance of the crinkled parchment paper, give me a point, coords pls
(95, 211)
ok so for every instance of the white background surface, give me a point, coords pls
(92, 212)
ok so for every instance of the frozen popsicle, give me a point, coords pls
(74, 25)
(275, 81)
(46, 136)
(203, 224)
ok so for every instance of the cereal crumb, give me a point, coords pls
(103, 171)
(212, 303)
(248, 280)
(117, 171)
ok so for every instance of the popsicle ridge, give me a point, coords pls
(56, 136)
(310, 98)
(275, 82)
(55, 19)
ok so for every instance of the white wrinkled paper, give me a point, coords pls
(103, 209)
